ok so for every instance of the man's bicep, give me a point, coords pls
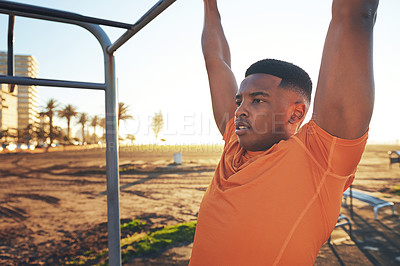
(223, 88)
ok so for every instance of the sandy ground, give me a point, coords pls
(53, 205)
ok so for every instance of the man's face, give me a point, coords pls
(263, 112)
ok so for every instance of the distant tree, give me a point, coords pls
(157, 124)
(94, 123)
(102, 124)
(50, 110)
(58, 133)
(131, 138)
(123, 113)
(83, 119)
(41, 131)
(27, 134)
(68, 112)
(4, 134)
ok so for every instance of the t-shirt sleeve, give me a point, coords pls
(341, 156)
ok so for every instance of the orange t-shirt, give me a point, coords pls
(275, 207)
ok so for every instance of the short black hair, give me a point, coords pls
(293, 77)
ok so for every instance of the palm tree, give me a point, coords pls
(42, 129)
(58, 133)
(49, 112)
(83, 119)
(123, 112)
(27, 134)
(94, 123)
(68, 113)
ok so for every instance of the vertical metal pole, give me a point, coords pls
(10, 54)
(351, 202)
(112, 166)
(112, 159)
(114, 235)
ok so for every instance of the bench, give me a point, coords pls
(373, 201)
(341, 222)
(394, 157)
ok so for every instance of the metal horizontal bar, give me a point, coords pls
(51, 83)
(153, 12)
(9, 7)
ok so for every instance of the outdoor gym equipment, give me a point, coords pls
(109, 86)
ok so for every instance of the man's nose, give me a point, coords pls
(241, 110)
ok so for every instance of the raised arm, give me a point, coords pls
(217, 57)
(345, 91)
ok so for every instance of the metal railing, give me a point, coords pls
(109, 86)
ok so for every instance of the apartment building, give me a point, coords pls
(27, 96)
(8, 114)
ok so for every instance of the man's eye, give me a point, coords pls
(258, 101)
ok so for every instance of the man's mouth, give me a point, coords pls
(241, 128)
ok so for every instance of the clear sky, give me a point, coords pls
(161, 68)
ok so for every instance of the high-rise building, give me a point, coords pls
(8, 114)
(28, 102)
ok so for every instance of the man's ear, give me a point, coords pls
(298, 113)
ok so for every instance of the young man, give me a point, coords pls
(276, 193)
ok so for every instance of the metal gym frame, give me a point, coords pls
(109, 86)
